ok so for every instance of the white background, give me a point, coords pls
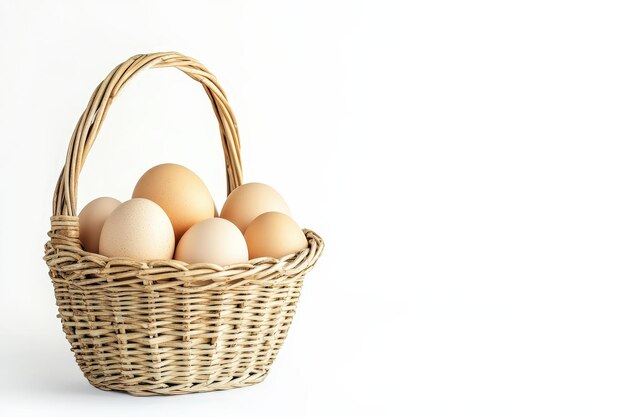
(464, 162)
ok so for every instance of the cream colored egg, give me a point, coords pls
(180, 192)
(275, 235)
(138, 229)
(248, 201)
(91, 219)
(216, 241)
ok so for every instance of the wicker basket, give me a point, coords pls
(167, 327)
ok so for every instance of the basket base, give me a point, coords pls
(144, 390)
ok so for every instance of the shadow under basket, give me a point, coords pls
(167, 327)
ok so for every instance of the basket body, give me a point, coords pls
(164, 326)
(131, 330)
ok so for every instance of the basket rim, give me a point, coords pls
(75, 264)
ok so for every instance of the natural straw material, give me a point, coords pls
(167, 327)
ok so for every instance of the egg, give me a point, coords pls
(275, 235)
(248, 201)
(180, 192)
(138, 229)
(91, 219)
(215, 240)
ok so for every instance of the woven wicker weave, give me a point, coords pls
(167, 327)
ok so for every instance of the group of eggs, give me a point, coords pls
(172, 216)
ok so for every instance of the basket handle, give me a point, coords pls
(87, 128)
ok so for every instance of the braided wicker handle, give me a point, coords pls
(64, 201)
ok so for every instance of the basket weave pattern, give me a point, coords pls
(167, 327)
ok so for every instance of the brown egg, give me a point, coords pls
(179, 192)
(91, 219)
(275, 235)
(138, 229)
(215, 241)
(248, 201)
